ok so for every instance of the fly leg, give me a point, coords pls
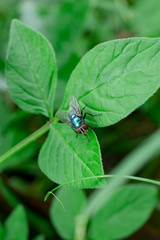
(93, 115)
(75, 132)
(87, 137)
(84, 133)
(83, 109)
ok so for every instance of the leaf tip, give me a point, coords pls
(15, 22)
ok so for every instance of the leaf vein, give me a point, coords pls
(34, 74)
(75, 153)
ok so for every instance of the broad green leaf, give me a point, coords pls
(16, 227)
(64, 157)
(115, 78)
(124, 213)
(64, 221)
(31, 70)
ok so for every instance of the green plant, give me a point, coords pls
(16, 226)
(113, 79)
(112, 210)
(125, 211)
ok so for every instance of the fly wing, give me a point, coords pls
(74, 106)
(63, 116)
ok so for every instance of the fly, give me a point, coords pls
(75, 117)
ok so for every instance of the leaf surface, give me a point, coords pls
(64, 157)
(16, 226)
(64, 221)
(124, 213)
(31, 70)
(115, 78)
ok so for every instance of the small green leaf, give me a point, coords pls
(115, 78)
(124, 213)
(64, 221)
(64, 157)
(16, 226)
(31, 70)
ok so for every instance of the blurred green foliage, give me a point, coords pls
(73, 28)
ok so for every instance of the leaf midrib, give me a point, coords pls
(75, 153)
(34, 75)
(122, 75)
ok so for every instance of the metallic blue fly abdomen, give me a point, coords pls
(76, 121)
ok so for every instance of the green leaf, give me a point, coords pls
(16, 226)
(115, 78)
(31, 70)
(124, 213)
(64, 157)
(64, 221)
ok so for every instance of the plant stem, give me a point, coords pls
(145, 180)
(80, 230)
(25, 142)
